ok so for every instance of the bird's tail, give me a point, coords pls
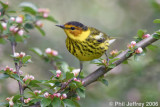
(111, 39)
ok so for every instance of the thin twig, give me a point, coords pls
(21, 89)
(54, 65)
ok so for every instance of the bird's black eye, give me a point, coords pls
(72, 28)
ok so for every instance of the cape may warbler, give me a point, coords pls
(86, 43)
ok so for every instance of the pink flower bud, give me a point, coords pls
(64, 96)
(146, 36)
(22, 54)
(114, 53)
(31, 77)
(51, 96)
(12, 28)
(130, 46)
(43, 10)
(83, 82)
(75, 79)
(21, 32)
(12, 19)
(139, 50)
(76, 72)
(11, 69)
(19, 19)
(55, 94)
(48, 50)
(58, 75)
(11, 103)
(133, 43)
(4, 25)
(45, 15)
(46, 94)
(54, 53)
(78, 98)
(15, 30)
(8, 98)
(16, 55)
(0, 13)
(39, 23)
(37, 92)
(58, 72)
(27, 100)
(58, 95)
(28, 77)
(40, 10)
(7, 68)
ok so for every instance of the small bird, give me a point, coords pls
(86, 43)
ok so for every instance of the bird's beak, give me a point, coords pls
(61, 26)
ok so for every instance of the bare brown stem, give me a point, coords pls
(21, 89)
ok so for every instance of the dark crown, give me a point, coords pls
(78, 24)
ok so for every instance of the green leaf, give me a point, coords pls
(50, 18)
(156, 21)
(5, 6)
(45, 102)
(16, 97)
(28, 17)
(2, 41)
(68, 103)
(16, 77)
(32, 93)
(141, 32)
(19, 38)
(69, 75)
(76, 104)
(64, 66)
(125, 62)
(28, 7)
(37, 51)
(156, 36)
(3, 76)
(25, 59)
(128, 54)
(56, 102)
(111, 66)
(152, 47)
(113, 60)
(41, 30)
(1, 28)
(96, 61)
(29, 26)
(34, 83)
(136, 57)
(81, 92)
(11, 11)
(104, 81)
(73, 85)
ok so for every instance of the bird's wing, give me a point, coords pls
(97, 35)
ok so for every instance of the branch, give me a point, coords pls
(13, 44)
(122, 57)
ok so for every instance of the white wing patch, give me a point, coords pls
(111, 41)
(100, 36)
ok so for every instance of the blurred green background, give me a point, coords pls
(137, 81)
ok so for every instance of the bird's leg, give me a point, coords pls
(107, 58)
(81, 67)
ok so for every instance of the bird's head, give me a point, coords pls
(75, 30)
